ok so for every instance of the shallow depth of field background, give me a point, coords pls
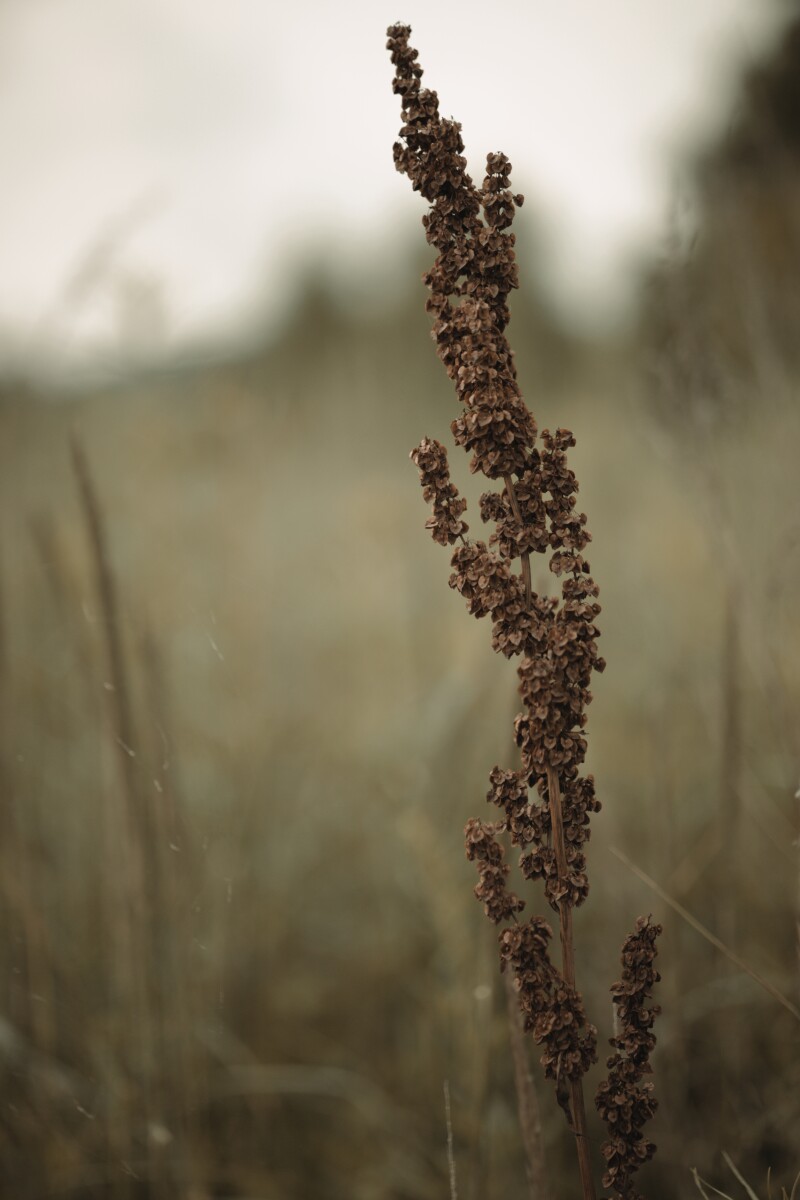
(243, 719)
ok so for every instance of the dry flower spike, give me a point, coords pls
(546, 803)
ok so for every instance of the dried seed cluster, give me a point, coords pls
(535, 512)
(552, 1010)
(445, 525)
(484, 849)
(624, 1102)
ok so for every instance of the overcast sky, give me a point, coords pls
(167, 164)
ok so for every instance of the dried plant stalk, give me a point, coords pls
(130, 917)
(554, 637)
(527, 1102)
(624, 1101)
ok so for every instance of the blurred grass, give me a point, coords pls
(260, 988)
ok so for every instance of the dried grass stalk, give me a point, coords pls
(546, 802)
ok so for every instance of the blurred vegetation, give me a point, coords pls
(243, 722)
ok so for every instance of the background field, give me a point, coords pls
(243, 721)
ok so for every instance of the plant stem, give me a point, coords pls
(568, 971)
(524, 557)
(565, 908)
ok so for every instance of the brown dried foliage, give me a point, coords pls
(555, 638)
(624, 1102)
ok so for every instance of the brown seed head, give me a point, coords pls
(623, 1100)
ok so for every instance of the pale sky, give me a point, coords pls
(168, 164)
